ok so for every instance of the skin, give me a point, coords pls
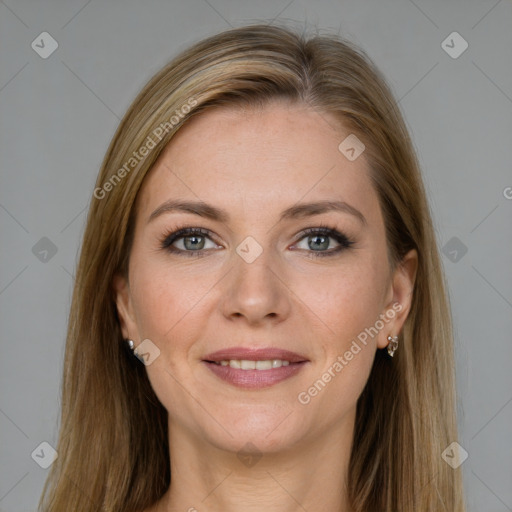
(254, 164)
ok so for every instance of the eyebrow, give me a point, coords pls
(294, 212)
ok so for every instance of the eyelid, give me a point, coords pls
(343, 240)
(179, 233)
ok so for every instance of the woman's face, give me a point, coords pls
(255, 278)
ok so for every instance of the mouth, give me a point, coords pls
(248, 364)
(254, 368)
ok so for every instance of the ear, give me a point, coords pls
(399, 297)
(125, 307)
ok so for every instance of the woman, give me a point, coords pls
(259, 320)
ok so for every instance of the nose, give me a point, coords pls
(256, 292)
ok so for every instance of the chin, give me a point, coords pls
(271, 429)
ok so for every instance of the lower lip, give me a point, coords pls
(254, 379)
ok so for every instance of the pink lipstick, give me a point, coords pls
(254, 368)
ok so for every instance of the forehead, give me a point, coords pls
(258, 161)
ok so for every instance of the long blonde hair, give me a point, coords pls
(113, 447)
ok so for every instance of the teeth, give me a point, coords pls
(244, 364)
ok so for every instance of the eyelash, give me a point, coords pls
(321, 230)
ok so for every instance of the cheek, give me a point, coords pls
(164, 297)
(170, 312)
(169, 304)
(347, 299)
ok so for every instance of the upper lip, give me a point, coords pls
(255, 354)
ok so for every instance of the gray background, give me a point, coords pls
(57, 116)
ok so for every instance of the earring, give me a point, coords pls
(131, 347)
(392, 345)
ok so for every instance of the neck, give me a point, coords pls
(311, 476)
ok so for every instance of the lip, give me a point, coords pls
(254, 379)
(255, 354)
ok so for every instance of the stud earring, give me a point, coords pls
(392, 345)
(131, 346)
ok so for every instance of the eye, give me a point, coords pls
(188, 240)
(318, 241)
